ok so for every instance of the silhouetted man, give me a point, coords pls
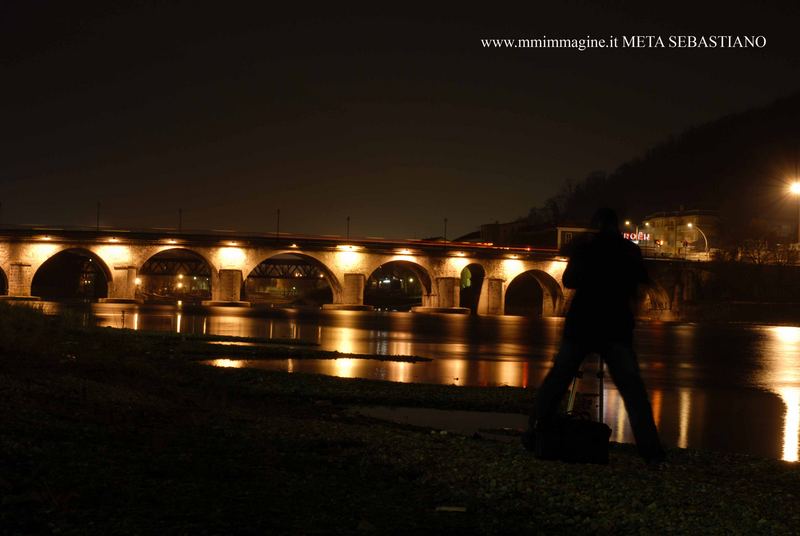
(605, 271)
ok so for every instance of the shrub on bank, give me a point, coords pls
(25, 330)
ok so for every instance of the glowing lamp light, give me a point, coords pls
(689, 225)
(347, 247)
(114, 240)
(460, 254)
(232, 243)
(794, 188)
(347, 258)
(293, 246)
(627, 222)
(114, 254)
(404, 251)
(172, 241)
(410, 279)
(138, 281)
(231, 257)
(47, 237)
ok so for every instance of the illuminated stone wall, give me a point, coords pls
(346, 267)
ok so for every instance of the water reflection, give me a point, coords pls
(685, 413)
(781, 374)
(725, 387)
(228, 363)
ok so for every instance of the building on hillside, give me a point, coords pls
(520, 233)
(568, 234)
(685, 233)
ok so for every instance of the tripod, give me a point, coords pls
(600, 378)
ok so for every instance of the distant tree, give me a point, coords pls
(784, 255)
(755, 251)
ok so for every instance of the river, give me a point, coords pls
(723, 386)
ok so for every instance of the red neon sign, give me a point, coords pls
(634, 236)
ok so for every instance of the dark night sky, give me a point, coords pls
(396, 118)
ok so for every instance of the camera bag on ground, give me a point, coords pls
(572, 437)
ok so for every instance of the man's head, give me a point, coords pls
(605, 220)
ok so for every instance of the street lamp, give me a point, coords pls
(705, 239)
(794, 189)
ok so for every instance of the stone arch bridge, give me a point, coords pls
(231, 257)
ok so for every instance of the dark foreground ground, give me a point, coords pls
(108, 432)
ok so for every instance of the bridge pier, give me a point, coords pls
(448, 293)
(122, 287)
(20, 277)
(228, 289)
(352, 296)
(495, 300)
(551, 305)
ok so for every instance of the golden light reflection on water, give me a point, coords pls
(226, 324)
(621, 419)
(509, 373)
(781, 375)
(228, 363)
(684, 415)
(400, 373)
(457, 370)
(656, 397)
(343, 339)
(344, 367)
(674, 360)
(444, 371)
(791, 398)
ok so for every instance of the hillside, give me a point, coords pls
(739, 165)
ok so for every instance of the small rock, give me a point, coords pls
(365, 525)
(451, 508)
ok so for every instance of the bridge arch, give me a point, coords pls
(654, 301)
(3, 283)
(282, 272)
(176, 273)
(472, 289)
(533, 293)
(72, 274)
(398, 284)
